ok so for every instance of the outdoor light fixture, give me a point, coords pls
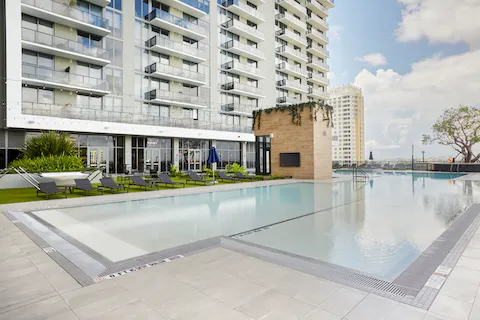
(271, 135)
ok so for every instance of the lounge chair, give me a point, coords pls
(165, 179)
(139, 182)
(108, 183)
(223, 176)
(241, 176)
(195, 178)
(85, 185)
(49, 188)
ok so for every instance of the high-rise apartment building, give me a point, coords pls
(146, 84)
(348, 124)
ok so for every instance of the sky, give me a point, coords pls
(413, 59)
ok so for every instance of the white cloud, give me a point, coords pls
(374, 59)
(441, 21)
(400, 108)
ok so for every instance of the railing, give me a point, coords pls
(66, 78)
(359, 174)
(200, 51)
(176, 96)
(291, 18)
(63, 44)
(319, 63)
(317, 92)
(318, 5)
(294, 4)
(292, 84)
(177, 72)
(316, 33)
(242, 46)
(234, 107)
(288, 100)
(291, 34)
(200, 5)
(288, 66)
(317, 20)
(80, 112)
(291, 51)
(242, 26)
(318, 48)
(68, 11)
(254, 12)
(318, 77)
(241, 66)
(200, 26)
(242, 86)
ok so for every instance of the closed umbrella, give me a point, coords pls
(371, 156)
(213, 158)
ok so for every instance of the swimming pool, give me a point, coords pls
(378, 228)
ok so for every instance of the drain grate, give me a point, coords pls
(370, 282)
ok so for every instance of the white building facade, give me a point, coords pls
(348, 136)
(146, 84)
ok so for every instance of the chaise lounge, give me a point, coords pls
(85, 185)
(195, 178)
(49, 188)
(108, 183)
(224, 177)
(139, 182)
(165, 179)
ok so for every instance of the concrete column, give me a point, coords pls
(176, 151)
(127, 149)
(243, 149)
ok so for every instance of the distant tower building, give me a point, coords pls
(348, 124)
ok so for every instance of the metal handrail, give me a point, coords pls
(359, 173)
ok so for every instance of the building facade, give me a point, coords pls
(146, 84)
(348, 137)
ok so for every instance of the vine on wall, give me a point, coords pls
(295, 111)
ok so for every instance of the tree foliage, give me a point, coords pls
(459, 128)
(49, 143)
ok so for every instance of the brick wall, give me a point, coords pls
(313, 140)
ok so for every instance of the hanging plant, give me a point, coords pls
(295, 111)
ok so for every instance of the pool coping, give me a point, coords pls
(418, 285)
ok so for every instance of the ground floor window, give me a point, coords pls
(250, 153)
(229, 152)
(262, 155)
(151, 154)
(193, 154)
(101, 151)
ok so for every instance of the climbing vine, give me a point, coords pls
(295, 111)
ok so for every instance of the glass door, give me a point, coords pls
(152, 159)
(194, 161)
(98, 158)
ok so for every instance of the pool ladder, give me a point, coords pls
(360, 175)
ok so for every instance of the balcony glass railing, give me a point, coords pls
(288, 100)
(242, 87)
(292, 18)
(242, 5)
(199, 26)
(318, 34)
(291, 34)
(317, 92)
(318, 48)
(318, 62)
(318, 5)
(64, 44)
(242, 67)
(234, 107)
(242, 46)
(293, 68)
(318, 77)
(316, 19)
(66, 10)
(292, 84)
(61, 77)
(200, 5)
(199, 49)
(176, 96)
(292, 52)
(176, 72)
(87, 112)
(244, 27)
(294, 4)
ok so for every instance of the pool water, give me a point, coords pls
(379, 227)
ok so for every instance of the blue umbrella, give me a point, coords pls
(213, 158)
(371, 156)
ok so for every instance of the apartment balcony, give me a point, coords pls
(293, 6)
(317, 36)
(243, 90)
(317, 93)
(292, 86)
(291, 37)
(318, 23)
(67, 15)
(329, 4)
(243, 49)
(61, 47)
(291, 21)
(291, 69)
(178, 49)
(177, 99)
(163, 71)
(317, 64)
(243, 10)
(317, 50)
(193, 7)
(291, 53)
(244, 30)
(87, 112)
(238, 109)
(289, 100)
(318, 79)
(316, 7)
(167, 21)
(53, 79)
(243, 69)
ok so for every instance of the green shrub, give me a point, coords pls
(207, 170)
(61, 163)
(235, 167)
(173, 171)
(49, 143)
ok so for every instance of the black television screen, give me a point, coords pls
(290, 159)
